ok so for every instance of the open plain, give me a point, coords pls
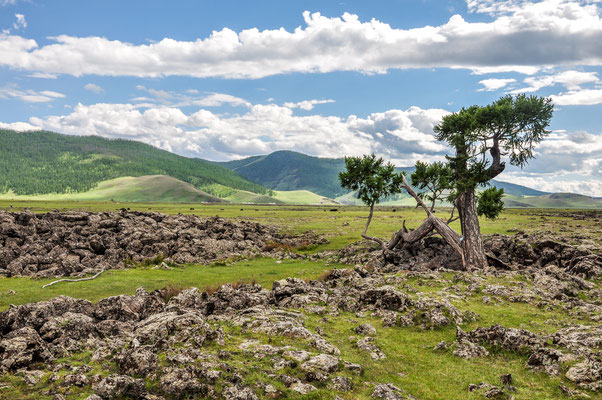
(304, 309)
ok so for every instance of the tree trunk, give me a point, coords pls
(474, 257)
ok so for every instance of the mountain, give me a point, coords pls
(45, 162)
(288, 170)
(513, 189)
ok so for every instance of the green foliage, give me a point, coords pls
(45, 162)
(432, 181)
(371, 178)
(218, 190)
(489, 202)
(510, 126)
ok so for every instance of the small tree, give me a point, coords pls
(373, 180)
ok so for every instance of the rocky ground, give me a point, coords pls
(312, 339)
(76, 243)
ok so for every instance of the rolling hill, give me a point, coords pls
(45, 162)
(147, 189)
(554, 200)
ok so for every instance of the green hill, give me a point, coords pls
(288, 170)
(302, 197)
(46, 162)
(147, 189)
(242, 196)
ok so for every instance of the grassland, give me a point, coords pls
(411, 362)
(115, 282)
(341, 225)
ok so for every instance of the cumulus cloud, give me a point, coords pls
(523, 36)
(93, 88)
(495, 84)
(557, 184)
(19, 126)
(307, 104)
(563, 157)
(29, 96)
(402, 136)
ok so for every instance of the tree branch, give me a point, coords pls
(74, 280)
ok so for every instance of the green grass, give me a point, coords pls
(115, 282)
(411, 362)
(242, 196)
(301, 197)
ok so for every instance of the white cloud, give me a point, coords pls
(29, 96)
(19, 126)
(557, 184)
(578, 97)
(219, 99)
(307, 104)
(52, 94)
(400, 136)
(190, 98)
(522, 36)
(43, 75)
(494, 84)
(572, 80)
(20, 23)
(8, 2)
(93, 88)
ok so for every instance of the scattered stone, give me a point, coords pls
(387, 392)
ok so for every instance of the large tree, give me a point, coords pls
(481, 137)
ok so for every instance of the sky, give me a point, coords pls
(231, 79)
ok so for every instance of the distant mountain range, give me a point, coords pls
(288, 170)
(47, 165)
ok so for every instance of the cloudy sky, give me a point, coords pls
(230, 79)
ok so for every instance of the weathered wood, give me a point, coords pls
(372, 238)
(472, 241)
(74, 280)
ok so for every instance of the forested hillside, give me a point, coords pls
(46, 162)
(288, 170)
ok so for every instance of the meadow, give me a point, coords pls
(411, 362)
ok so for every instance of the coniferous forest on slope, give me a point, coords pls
(45, 162)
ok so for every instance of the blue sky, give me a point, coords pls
(229, 79)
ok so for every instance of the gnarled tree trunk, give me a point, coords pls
(473, 250)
